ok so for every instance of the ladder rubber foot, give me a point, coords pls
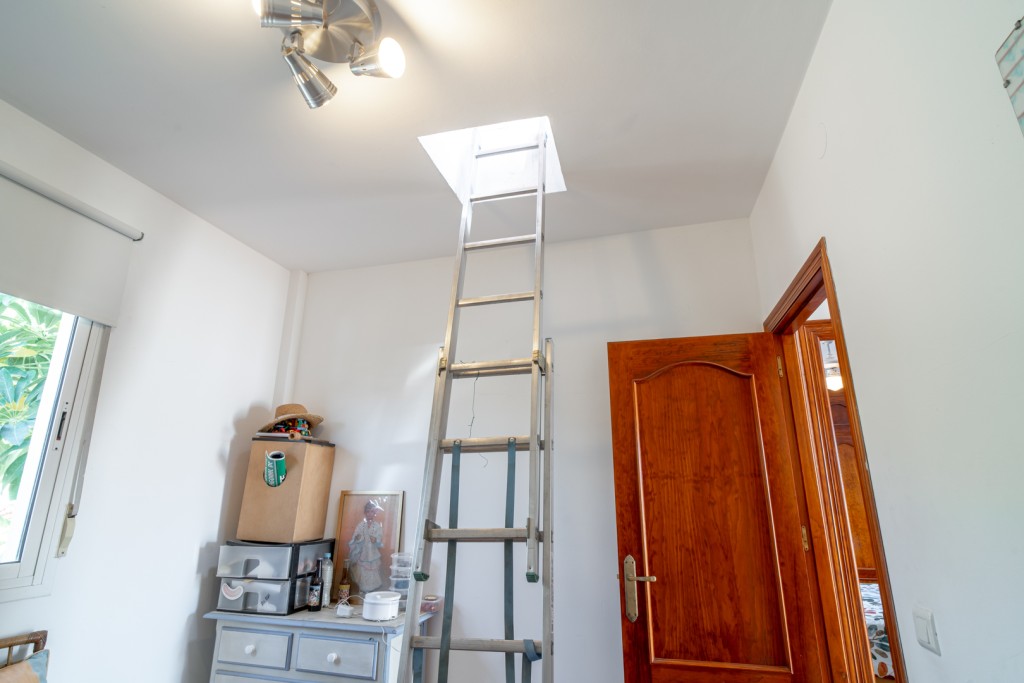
(532, 577)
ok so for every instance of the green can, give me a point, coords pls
(274, 469)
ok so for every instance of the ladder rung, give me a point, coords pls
(501, 242)
(472, 644)
(476, 535)
(506, 150)
(495, 299)
(503, 195)
(487, 444)
(493, 368)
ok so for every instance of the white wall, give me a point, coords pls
(189, 373)
(368, 359)
(919, 194)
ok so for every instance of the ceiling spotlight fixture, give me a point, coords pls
(316, 88)
(830, 359)
(386, 60)
(289, 13)
(338, 31)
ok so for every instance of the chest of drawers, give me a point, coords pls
(313, 647)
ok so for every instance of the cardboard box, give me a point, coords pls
(297, 509)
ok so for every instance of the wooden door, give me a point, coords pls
(707, 502)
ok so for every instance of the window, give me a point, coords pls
(49, 369)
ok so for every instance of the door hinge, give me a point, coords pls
(803, 535)
(778, 361)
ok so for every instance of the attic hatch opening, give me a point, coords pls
(453, 152)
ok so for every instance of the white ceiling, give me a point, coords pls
(665, 112)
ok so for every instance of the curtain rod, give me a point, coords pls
(44, 189)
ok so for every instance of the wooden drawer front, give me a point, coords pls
(269, 649)
(337, 656)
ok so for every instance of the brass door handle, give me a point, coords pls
(629, 574)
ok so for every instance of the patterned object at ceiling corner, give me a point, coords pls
(1010, 57)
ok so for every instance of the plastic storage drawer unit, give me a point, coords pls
(263, 596)
(280, 561)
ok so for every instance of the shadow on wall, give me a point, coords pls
(234, 462)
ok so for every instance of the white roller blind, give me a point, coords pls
(59, 258)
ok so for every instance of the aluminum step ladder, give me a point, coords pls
(537, 534)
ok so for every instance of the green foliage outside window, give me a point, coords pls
(28, 333)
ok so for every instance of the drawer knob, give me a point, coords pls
(333, 658)
(250, 649)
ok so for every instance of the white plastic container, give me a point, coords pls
(431, 603)
(401, 572)
(380, 605)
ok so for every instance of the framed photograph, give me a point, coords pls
(369, 530)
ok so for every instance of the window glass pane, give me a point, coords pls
(34, 342)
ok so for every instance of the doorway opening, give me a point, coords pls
(857, 606)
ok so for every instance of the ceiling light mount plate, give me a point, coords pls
(349, 26)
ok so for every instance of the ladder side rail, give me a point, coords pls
(439, 409)
(509, 584)
(533, 516)
(538, 246)
(548, 577)
(428, 506)
(432, 473)
(458, 280)
(449, 578)
(437, 432)
(442, 401)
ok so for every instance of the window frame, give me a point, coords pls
(56, 497)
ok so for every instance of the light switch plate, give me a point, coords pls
(924, 627)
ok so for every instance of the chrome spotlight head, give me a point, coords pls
(288, 13)
(384, 60)
(316, 88)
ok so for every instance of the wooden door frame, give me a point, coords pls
(831, 544)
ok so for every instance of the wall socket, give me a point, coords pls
(924, 627)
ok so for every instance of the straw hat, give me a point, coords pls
(292, 411)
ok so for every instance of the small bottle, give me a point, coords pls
(316, 588)
(327, 567)
(344, 584)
